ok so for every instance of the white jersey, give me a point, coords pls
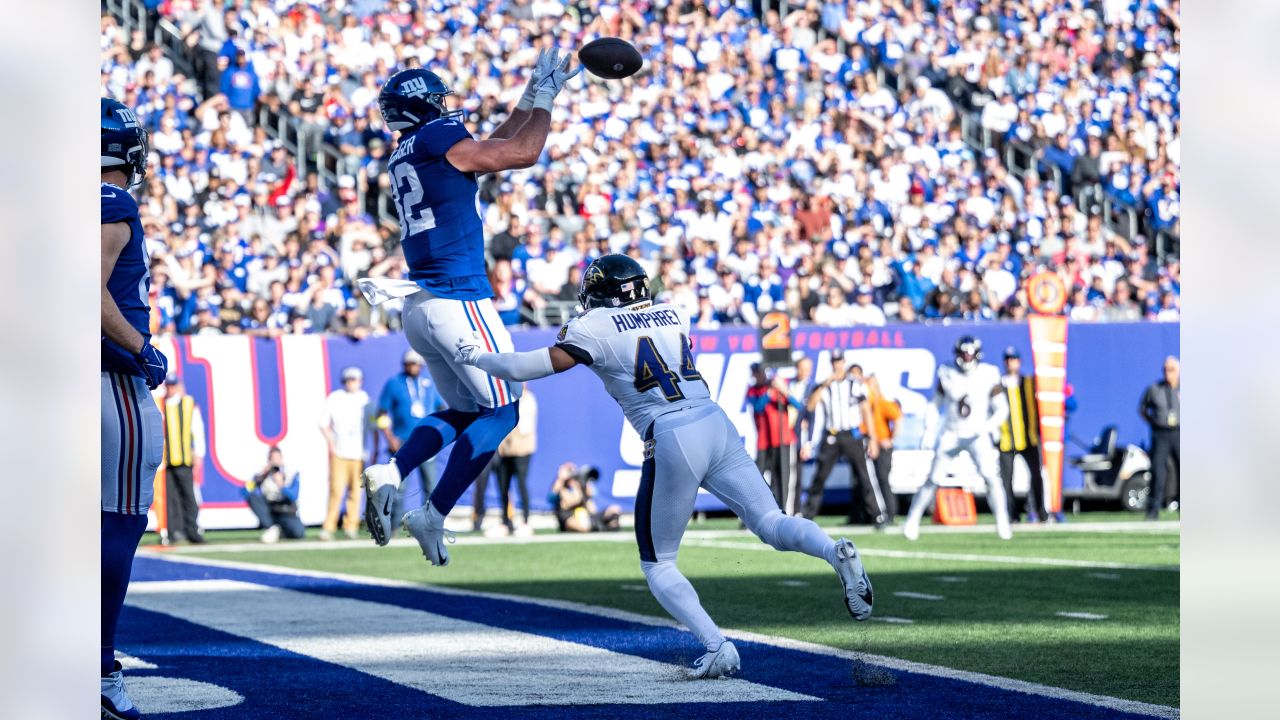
(966, 400)
(642, 355)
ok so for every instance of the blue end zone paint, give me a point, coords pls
(279, 684)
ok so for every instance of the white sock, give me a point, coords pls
(802, 535)
(677, 597)
(920, 502)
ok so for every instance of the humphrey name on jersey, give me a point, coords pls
(646, 319)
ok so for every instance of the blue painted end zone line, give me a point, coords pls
(277, 683)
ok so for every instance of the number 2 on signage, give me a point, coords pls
(777, 331)
(652, 371)
(411, 224)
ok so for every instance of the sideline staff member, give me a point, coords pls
(1020, 436)
(1161, 407)
(839, 404)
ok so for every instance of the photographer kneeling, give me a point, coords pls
(571, 495)
(273, 496)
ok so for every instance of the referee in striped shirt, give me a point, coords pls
(839, 404)
(1020, 436)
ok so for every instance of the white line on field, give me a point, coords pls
(1161, 527)
(952, 578)
(1023, 686)
(1081, 615)
(892, 620)
(793, 583)
(1104, 576)
(635, 588)
(918, 595)
(959, 557)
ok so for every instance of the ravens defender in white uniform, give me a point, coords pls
(132, 431)
(641, 352)
(448, 295)
(971, 407)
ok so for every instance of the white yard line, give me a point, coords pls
(959, 557)
(1119, 704)
(918, 595)
(626, 536)
(1081, 615)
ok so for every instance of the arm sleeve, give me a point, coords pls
(517, 366)
(384, 398)
(438, 136)
(291, 490)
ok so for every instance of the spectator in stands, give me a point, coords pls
(272, 495)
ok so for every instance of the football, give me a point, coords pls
(610, 57)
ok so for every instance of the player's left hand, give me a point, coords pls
(545, 63)
(154, 364)
(468, 353)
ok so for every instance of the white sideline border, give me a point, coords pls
(1022, 686)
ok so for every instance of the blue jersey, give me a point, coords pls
(130, 280)
(440, 227)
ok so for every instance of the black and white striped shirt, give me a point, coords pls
(839, 408)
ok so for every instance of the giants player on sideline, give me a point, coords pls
(971, 405)
(433, 170)
(132, 430)
(641, 352)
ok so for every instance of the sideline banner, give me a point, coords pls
(257, 392)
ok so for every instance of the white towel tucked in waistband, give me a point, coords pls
(380, 290)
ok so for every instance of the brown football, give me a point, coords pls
(610, 57)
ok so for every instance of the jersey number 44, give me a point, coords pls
(653, 372)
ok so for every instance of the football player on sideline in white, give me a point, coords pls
(971, 407)
(641, 352)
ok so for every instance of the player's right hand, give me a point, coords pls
(554, 81)
(154, 364)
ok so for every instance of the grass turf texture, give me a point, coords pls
(1000, 620)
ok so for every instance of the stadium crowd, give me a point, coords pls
(760, 161)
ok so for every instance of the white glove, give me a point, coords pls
(468, 352)
(553, 82)
(543, 65)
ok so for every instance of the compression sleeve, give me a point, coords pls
(517, 366)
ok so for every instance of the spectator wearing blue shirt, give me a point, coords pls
(406, 398)
(1061, 156)
(240, 84)
(872, 207)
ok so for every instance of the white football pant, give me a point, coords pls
(434, 325)
(985, 457)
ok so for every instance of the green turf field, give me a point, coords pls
(994, 616)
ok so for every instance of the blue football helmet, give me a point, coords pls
(124, 141)
(414, 97)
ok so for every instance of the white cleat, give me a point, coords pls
(1004, 531)
(116, 704)
(853, 576)
(426, 525)
(911, 530)
(721, 662)
(381, 482)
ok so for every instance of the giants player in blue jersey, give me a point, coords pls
(132, 431)
(434, 170)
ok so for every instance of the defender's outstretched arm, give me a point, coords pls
(516, 366)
